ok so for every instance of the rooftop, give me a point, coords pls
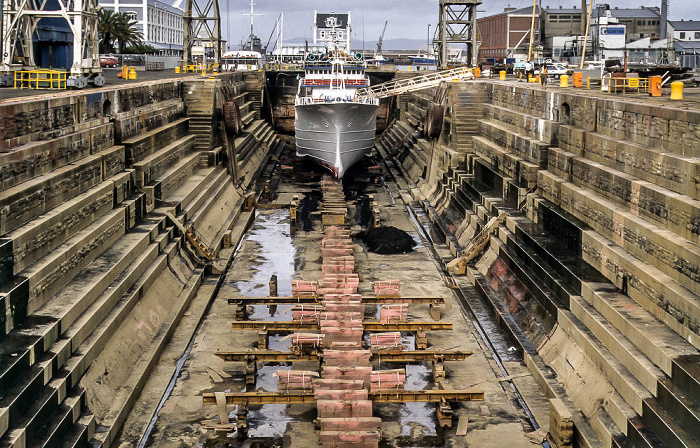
(685, 25)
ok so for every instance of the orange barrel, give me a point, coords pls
(578, 80)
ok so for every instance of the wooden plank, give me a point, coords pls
(462, 425)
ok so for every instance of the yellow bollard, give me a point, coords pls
(588, 82)
(177, 70)
(677, 90)
(132, 73)
(502, 75)
(564, 81)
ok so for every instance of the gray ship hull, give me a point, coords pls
(337, 135)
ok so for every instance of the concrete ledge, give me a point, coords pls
(532, 126)
(40, 236)
(630, 356)
(512, 166)
(651, 288)
(615, 373)
(677, 172)
(33, 159)
(30, 199)
(131, 123)
(534, 151)
(139, 147)
(176, 176)
(52, 272)
(673, 255)
(658, 343)
(152, 166)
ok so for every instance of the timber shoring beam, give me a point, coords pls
(368, 325)
(366, 300)
(395, 396)
(408, 356)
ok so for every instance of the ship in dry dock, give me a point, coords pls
(332, 125)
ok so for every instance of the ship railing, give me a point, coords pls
(391, 88)
(305, 100)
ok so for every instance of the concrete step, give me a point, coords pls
(143, 145)
(40, 236)
(506, 162)
(81, 433)
(147, 118)
(52, 272)
(30, 199)
(60, 422)
(668, 429)
(33, 159)
(530, 149)
(630, 356)
(195, 190)
(613, 370)
(167, 183)
(154, 165)
(531, 125)
(670, 170)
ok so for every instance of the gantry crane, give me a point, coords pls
(381, 39)
(20, 21)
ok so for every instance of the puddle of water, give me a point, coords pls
(276, 255)
(417, 239)
(271, 312)
(265, 380)
(275, 342)
(417, 419)
(268, 421)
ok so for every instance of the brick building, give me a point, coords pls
(507, 33)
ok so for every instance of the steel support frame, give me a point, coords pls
(408, 356)
(368, 325)
(395, 396)
(366, 300)
(457, 25)
(20, 19)
(202, 23)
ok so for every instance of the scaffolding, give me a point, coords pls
(457, 25)
(20, 21)
(202, 23)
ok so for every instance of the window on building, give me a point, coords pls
(697, 35)
(682, 34)
(322, 34)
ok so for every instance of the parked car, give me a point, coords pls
(108, 61)
(556, 70)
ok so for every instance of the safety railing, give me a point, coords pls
(43, 79)
(623, 85)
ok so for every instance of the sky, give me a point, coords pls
(407, 18)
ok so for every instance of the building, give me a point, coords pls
(610, 29)
(685, 30)
(506, 34)
(325, 30)
(161, 23)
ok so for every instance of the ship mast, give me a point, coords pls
(252, 17)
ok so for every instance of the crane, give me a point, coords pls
(381, 38)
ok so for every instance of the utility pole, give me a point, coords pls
(532, 31)
(585, 36)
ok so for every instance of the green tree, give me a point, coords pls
(126, 32)
(106, 26)
(117, 26)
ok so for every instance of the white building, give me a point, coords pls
(686, 30)
(324, 33)
(160, 23)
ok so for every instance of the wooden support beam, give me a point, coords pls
(408, 356)
(395, 396)
(310, 326)
(367, 300)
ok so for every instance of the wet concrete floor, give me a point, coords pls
(269, 249)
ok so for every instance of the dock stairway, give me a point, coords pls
(83, 262)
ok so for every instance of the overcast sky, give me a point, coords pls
(407, 18)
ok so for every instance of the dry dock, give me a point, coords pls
(141, 226)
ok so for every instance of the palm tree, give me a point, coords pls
(106, 26)
(126, 31)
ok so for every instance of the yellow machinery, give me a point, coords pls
(480, 240)
(40, 79)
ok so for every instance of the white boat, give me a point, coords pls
(331, 125)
